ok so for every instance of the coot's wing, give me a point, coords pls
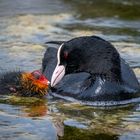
(103, 90)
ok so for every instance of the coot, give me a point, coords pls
(89, 68)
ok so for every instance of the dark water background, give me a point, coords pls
(25, 25)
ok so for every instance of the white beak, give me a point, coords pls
(57, 75)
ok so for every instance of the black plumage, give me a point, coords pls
(9, 81)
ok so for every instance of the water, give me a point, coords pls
(26, 25)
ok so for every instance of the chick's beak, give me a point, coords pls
(44, 80)
(57, 75)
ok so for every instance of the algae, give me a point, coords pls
(26, 101)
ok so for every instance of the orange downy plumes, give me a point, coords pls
(34, 84)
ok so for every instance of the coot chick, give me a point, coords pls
(23, 84)
(107, 77)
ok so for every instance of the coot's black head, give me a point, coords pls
(86, 54)
(70, 56)
(69, 59)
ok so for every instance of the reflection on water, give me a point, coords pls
(68, 120)
(14, 126)
(26, 25)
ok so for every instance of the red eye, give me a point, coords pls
(65, 55)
